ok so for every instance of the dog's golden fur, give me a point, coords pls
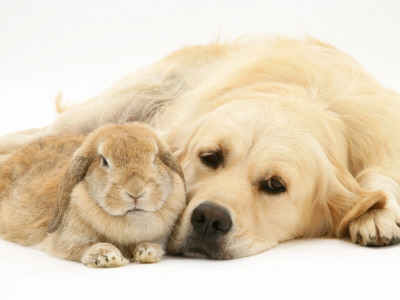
(300, 115)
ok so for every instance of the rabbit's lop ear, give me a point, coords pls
(74, 174)
(169, 160)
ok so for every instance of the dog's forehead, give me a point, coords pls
(257, 122)
(261, 132)
(259, 115)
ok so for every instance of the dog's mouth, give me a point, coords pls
(205, 249)
(202, 253)
(196, 253)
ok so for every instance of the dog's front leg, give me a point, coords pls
(139, 97)
(378, 226)
(15, 140)
(80, 119)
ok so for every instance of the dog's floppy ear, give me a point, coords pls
(347, 200)
(168, 159)
(367, 201)
(178, 139)
(75, 172)
(338, 201)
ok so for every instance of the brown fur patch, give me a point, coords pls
(74, 173)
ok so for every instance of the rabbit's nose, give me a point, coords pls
(136, 196)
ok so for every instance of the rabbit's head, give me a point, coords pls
(125, 168)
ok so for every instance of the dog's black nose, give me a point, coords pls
(210, 221)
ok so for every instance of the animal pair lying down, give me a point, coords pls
(277, 139)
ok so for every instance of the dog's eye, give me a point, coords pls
(274, 185)
(212, 159)
(104, 161)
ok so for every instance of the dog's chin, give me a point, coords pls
(193, 249)
(196, 253)
(205, 254)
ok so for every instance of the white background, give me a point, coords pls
(82, 47)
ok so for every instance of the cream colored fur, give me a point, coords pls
(97, 200)
(298, 110)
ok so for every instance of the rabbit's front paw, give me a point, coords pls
(147, 253)
(103, 255)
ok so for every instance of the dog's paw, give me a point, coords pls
(376, 228)
(103, 255)
(147, 253)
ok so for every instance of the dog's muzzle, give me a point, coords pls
(210, 224)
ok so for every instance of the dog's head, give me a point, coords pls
(259, 173)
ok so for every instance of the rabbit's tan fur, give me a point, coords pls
(59, 195)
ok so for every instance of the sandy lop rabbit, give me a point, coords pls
(113, 195)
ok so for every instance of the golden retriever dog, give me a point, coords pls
(278, 139)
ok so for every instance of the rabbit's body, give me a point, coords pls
(29, 182)
(62, 195)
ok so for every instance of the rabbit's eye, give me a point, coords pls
(104, 161)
